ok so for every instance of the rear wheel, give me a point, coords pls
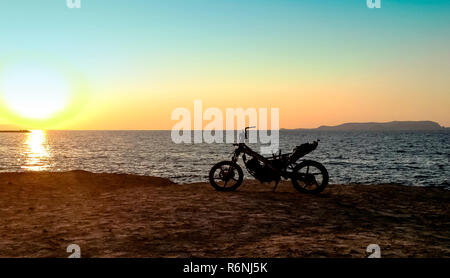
(310, 177)
(226, 176)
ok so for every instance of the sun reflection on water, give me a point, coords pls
(36, 152)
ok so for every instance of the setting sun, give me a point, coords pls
(34, 91)
(40, 91)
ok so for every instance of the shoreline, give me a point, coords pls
(120, 215)
(252, 180)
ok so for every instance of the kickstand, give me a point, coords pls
(276, 184)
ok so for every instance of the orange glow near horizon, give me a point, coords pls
(301, 106)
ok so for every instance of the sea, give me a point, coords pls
(369, 157)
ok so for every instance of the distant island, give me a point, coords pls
(15, 131)
(388, 126)
(7, 128)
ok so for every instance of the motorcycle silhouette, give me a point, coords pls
(307, 176)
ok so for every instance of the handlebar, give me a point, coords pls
(249, 127)
(246, 131)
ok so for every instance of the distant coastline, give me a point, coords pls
(351, 126)
(15, 131)
(386, 126)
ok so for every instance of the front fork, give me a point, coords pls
(235, 156)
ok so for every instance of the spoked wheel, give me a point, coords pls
(310, 177)
(226, 176)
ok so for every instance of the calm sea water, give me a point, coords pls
(409, 158)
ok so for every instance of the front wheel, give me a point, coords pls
(226, 176)
(310, 177)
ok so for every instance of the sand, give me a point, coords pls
(111, 215)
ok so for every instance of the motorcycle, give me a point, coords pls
(307, 176)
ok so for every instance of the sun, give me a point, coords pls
(34, 91)
(41, 91)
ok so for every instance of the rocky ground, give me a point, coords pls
(110, 215)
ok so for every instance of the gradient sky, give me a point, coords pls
(320, 62)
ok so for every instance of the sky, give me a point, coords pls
(129, 64)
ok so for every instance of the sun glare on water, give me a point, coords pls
(36, 151)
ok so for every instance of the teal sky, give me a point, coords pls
(116, 42)
(105, 33)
